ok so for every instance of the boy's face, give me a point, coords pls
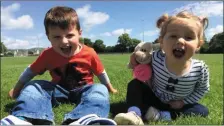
(181, 39)
(64, 41)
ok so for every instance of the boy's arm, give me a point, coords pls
(104, 79)
(201, 87)
(25, 77)
(99, 71)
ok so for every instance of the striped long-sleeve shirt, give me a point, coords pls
(190, 87)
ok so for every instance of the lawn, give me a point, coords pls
(119, 75)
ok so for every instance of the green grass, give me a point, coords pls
(119, 75)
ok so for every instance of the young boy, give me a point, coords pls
(72, 67)
(178, 80)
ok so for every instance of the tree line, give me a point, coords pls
(127, 44)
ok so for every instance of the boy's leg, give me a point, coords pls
(94, 99)
(34, 101)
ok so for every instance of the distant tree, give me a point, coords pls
(156, 46)
(3, 48)
(109, 49)
(156, 41)
(81, 40)
(30, 52)
(88, 42)
(99, 46)
(134, 42)
(119, 48)
(204, 48)
(216, 44)
(123, 42)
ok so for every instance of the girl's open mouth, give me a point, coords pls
(178, 52)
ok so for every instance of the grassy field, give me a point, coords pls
(119, 75)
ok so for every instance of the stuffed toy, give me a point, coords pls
(140, 61)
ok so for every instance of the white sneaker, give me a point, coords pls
(130, 118)
(154, 114)
(93, 119)
(13, 120)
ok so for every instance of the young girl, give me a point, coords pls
(178, 81)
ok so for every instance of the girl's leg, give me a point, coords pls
(137, 98)
(94, 99)
(194, 109)
(137, 94)
(141, 96)
(34, 101)
(187, 110)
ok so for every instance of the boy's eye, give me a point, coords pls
(57, 37)
(70, 35)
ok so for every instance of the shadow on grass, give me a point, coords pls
(120, 107)
(8, 107)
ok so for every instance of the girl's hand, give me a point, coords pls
(177, 104)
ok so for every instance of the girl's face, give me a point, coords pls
(64, 41)
(181, 39)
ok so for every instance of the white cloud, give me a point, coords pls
(150, 33)
(117, 32)
(91, 18)
(215, 30)
(12, 43)
(106, 34)
(39, 36)
(205, 8)
(9, 21)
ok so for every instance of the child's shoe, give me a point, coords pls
(130, 118)
(93, 119)
(13, 120)
(154, 114)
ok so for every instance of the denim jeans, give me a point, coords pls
(38, 97)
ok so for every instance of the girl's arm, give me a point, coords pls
(201, 87)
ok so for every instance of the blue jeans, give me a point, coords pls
(38, 97)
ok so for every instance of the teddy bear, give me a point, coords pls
(140, 61)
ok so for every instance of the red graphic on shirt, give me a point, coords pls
(70, 77)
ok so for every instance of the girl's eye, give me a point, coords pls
(188, 38)
(173, 36)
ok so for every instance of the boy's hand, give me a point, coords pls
(14, 93)
(111, 89)
(177, 104)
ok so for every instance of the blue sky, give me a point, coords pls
(22, 21)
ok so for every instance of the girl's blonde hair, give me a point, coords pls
(164, 20)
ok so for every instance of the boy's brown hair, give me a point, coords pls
(63, 17)
(164, 20)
